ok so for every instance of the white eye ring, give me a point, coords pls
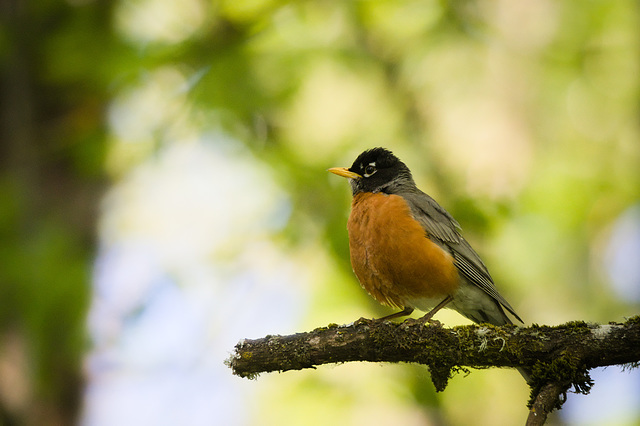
(369, 170)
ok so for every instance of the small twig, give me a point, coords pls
(547, 399)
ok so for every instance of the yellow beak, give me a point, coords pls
(344, 172)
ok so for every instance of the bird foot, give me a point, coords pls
(423, 322)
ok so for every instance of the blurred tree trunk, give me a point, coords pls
(51, 148)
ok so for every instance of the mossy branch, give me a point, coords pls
(558, 357)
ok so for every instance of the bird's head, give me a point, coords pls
(376, 170)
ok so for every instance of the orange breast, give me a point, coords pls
(391, 254)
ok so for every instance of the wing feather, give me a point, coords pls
(442, 228)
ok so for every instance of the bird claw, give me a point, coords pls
(431, 322)
(423, 322)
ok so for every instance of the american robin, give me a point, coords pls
(407, 251)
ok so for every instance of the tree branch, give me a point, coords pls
(547, 399)
(558, 357)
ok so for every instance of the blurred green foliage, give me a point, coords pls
(520, 117)
(52, 148)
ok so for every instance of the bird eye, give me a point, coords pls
(369, 170)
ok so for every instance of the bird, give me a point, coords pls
(408, 252)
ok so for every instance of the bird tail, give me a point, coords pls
(525, 373)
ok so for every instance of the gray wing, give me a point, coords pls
(443, 229)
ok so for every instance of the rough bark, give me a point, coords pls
(558, 357)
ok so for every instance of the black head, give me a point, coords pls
(377, 170)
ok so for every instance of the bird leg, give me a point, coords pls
(406, 311)
(427, 317)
